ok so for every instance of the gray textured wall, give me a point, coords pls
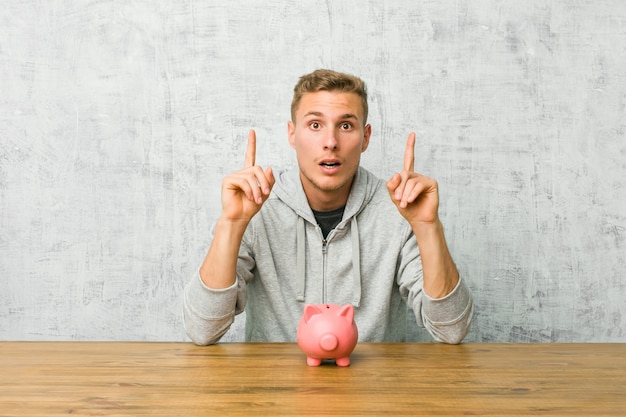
(118, 120)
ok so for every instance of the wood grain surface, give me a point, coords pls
(180, 379)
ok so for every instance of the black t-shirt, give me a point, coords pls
(327, 220)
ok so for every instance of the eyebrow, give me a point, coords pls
(343, 117)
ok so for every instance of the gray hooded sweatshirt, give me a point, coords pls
(370, 260)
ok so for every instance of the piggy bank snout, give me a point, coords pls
(328, 342)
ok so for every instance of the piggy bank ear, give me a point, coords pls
(310, 310)
(347, 311)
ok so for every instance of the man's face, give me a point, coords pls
(329, 135)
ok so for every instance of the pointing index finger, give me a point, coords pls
(250, 150)
(409, 153)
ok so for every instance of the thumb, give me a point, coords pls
(393, 183)
(269, 174)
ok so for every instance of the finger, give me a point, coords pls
(412, 190)
(409, 153)
(241, 184)
(251, 150)
(259, 186)
(264, 179)
(399, 191)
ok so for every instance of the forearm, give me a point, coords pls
(440, 273)
(446, 306)
(218, 270)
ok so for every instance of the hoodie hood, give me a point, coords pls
(288, 188)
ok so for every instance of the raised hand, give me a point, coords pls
(416, 196)
(245, 191)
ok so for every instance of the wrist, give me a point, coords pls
(219, 267)
(231, 226)
(427, 230)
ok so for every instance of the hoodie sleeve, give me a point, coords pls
(208, 313)
(448, 319)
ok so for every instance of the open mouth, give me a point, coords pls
(330, 163)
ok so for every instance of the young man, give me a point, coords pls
(327, 232)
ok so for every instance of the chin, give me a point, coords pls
(335, 184)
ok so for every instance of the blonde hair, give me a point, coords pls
(328, 80)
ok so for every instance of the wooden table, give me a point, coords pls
(180, 379)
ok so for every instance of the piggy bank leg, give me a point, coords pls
(313, 361)
(343, 361)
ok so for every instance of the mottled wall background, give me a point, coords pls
(119, 118)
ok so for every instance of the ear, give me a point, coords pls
(311, 310)
(291, 134)
(366, 137)
(347, 311)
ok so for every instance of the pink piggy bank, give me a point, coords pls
(327, 331)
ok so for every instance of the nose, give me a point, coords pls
(330, 142)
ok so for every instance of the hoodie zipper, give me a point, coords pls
(324, 251)
(325, 242)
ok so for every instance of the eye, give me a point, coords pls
(314, 125)
(346, 126)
